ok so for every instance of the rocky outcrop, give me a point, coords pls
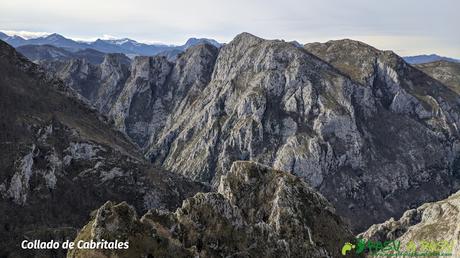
(60, 159)
(443, 71)
(257, 212)
(437, 222)
(365, 133)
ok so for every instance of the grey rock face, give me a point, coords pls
(257, 212)
(100, 84)
(437, 221)
(157, 87)
(60, 159)
(364, 142)
(372, 133)
(139, 95)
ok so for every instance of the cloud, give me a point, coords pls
(25, 34)
(91, 39)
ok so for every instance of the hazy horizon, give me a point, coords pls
(407, 27)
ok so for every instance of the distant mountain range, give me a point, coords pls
(38, 53)
(421, 59)
(125, 46)
(132, 48)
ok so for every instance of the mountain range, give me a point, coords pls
(330, 113)
(125, 46)
(256, 147)
(131, 47)
(420, 59)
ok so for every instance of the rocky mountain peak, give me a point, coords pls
(245, 38)
(199, 41)
(257, 212)
(354, 58)
(272, 102)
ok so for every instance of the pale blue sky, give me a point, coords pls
(406, 26)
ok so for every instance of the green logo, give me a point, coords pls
(347, 247)
(394, 248)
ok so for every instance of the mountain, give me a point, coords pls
(13, 40)
(291, 220)
(445, 72)
(41, 53)
(61, 159)
(198, 41)
(136, 95)
(372, 133)
(99, 83)
(125, 46)
(55, 40)
(36, 53)
(351, 133)
(131, 46)
(437, 222)
(420, 59)
(172, 54)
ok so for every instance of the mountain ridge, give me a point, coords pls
(420, 59)
(126, 46)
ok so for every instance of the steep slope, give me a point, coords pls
(445, 72)
(375, 144)
(257, 212)
(99, 83)
(157, 87)
(432, 222)
(60, 160)
(139, 95)
(416, 119)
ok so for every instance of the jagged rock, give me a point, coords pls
(60, 159)
(364, 136)
(437, 221)
(257, 212)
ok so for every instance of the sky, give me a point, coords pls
(408, 27)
